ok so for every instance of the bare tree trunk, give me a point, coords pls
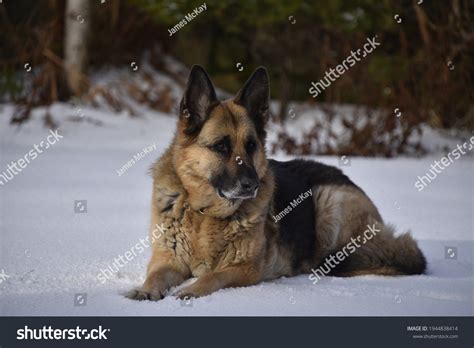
(75, 43)
(422, 24)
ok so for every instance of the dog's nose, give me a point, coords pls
(249, 185)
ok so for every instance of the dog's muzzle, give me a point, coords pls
(245, 189)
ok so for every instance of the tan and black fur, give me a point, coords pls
(215, 193)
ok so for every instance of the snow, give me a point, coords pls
(51, 253)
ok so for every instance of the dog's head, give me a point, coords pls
(220, 146)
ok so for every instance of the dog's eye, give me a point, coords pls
(222, 146)
(251, 146)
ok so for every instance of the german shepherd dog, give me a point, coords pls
(216, 195)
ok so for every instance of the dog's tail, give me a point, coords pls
(408, 258)
(384, 254)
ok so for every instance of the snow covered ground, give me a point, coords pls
(49, 253)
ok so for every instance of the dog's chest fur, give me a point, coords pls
(203, 243)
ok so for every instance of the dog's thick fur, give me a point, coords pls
(216, 194)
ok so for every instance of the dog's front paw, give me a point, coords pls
(192, 291)
(140, 294)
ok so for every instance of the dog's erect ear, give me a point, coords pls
(199, 96)
(255, 96)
